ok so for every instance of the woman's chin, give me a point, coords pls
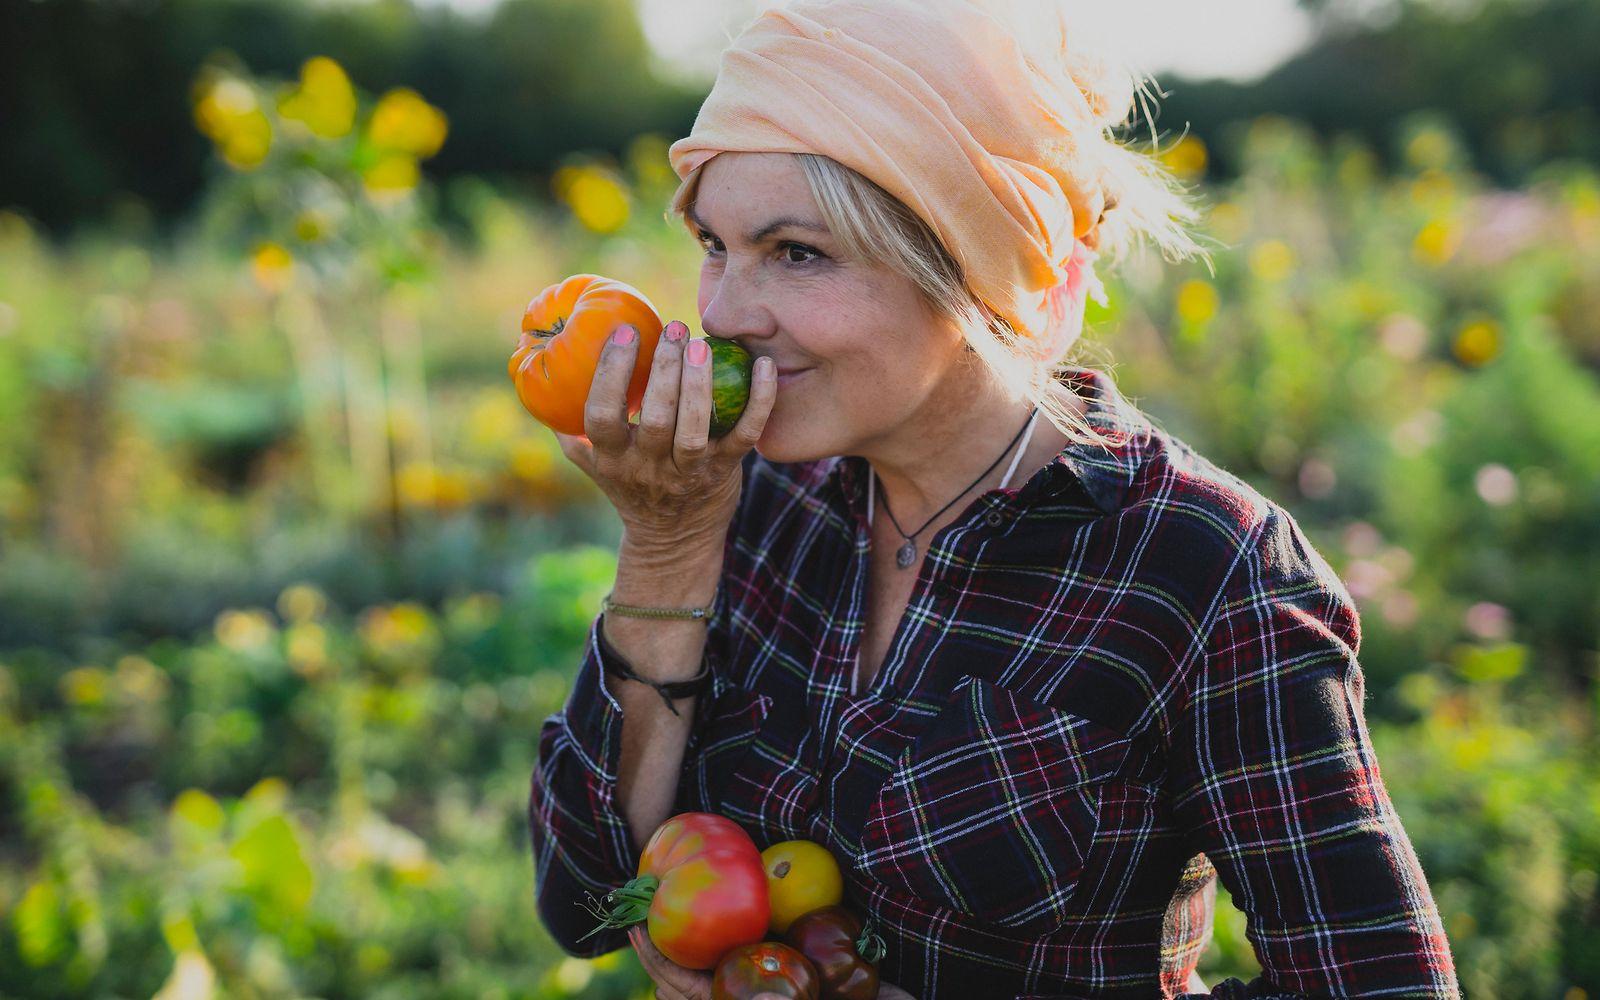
(777, 446)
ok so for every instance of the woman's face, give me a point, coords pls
(867, 351)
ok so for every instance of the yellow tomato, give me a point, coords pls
(801, 876)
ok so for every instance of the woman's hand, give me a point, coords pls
(667, 479)
(674, 982)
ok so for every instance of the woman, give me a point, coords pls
(1035, 671)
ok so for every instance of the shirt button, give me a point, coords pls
(995, 518)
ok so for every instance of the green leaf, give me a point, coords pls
(1482, 665)
(274, 864)
(40, 925)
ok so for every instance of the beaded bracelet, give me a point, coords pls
(634, 611)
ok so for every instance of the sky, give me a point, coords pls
(1231, 39)
(1228, 39)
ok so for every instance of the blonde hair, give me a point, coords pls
(1144, 202)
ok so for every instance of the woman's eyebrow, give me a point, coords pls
(787, 221)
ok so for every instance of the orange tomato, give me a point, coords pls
(802, 876)
(564, 329)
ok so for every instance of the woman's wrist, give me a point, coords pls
(664, 551)
(684, 574)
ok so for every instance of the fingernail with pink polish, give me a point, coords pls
(696, 352)
(624, 335)
(675, 331)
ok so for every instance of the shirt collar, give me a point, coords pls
(1105, 473)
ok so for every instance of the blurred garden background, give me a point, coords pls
(289, 581)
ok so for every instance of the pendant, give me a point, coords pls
(907, 554)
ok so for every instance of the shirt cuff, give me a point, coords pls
(593, 713)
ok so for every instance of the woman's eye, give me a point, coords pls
(791, 247)
(711, 245)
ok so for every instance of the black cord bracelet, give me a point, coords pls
(617, 665)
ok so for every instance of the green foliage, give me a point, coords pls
(304, 802)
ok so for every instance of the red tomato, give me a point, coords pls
(844, 953)
(701, 889)
(764, 967)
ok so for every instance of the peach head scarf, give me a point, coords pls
(972, 120)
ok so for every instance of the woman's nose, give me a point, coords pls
(733, 312)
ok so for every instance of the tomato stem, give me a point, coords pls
(870, 946)
(543, 334)
(629, 905)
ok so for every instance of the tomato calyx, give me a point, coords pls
(870, 946)
(560, 324)
(630, 904)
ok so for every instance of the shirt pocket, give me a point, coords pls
(992, 808)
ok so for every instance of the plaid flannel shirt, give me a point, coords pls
(1112, 684)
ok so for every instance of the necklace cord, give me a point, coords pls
(873, 482)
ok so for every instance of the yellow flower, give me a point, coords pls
(1272, 260)
(222, 102)
(1433, 189)
(414, 484)
(1430, 148)
(301, 602)
(244, 631)
(531, 459)
(1436, 242)
(397, 629)
(84, 686)
(307, 648)
(391, 177)
(1187, 158)
(422, 485)
(1477, 343)
(324, 102)
(492, 419)
(1197, 301)
(229, 114)
(140, 680)
(595, 197)
(273, 266)
(405, 123)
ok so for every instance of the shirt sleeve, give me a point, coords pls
(581, 840)
(582, 844)
(1275, 778)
